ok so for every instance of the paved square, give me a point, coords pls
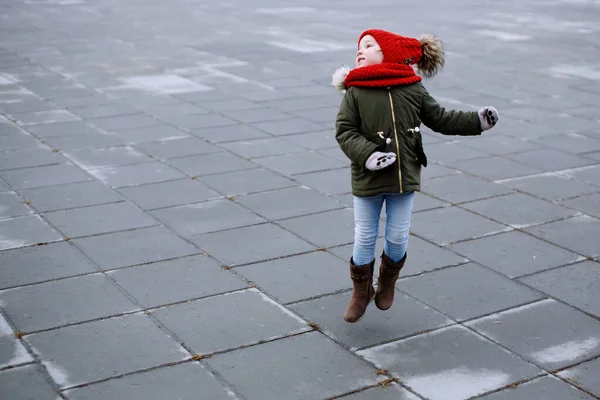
(179, 158)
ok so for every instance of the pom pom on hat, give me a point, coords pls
(427, 52)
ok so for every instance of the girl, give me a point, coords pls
(377, 127)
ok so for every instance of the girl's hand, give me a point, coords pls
(379, 160)
(488, 116)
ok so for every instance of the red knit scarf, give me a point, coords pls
(382, 75)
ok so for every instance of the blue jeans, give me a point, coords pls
(366, 226)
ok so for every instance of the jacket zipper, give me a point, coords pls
(397, 142)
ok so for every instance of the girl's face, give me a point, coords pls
(369, 52)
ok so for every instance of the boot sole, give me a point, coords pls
(361, 317)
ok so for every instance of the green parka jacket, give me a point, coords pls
(368, 116)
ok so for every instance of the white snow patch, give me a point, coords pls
(504, 36)
(10, 243)
(58, 374)
(285, 10)
(569, 351)
(164, 84)
(5, 329)
(20, 356)
(282, 308)
(5, 81)
(567, 70)
(308, 46)
(498, 316)
(102, 173)
(458, 383)
(169, 138)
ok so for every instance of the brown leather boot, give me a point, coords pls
(362, 292)
(388, 274)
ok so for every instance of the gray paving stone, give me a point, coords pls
(549, 388)
(287, 203)
(550, 159)
(12, 351)
(69, 128)
(48, 175)
(26, 383)
(589, 175)
(20, 142)
(103, 110)
(288, 126)
(336, 153)
(198, 122)
(319, 115)
(230, 133)
(423, 202)
(246, 181)
(519, 330)
(589, 204)
(25, 231)
(585, 375)
(450, 364)
(253, 317)
(448, 153)
(502, 144)
(104, 218)
(67, 301)
(168, 194)
(435, 171)
(213, 163)
(578, 234)
(107, 157)
(302, 357)
(134, 247)
(60, 197)
(462, 188)
(296, 104)
(84, 141)
(495, 168)
(467, 291)
(101, 349)
(11, 205)
(574, 284)
(251, 244)
(43, 117)
(458, 225)
(41, 263)
(335, 181)
(262, 147)
(29, 158)
(184, 147)
(125, 122)
(209, 216)
(182, 382)
(519, 210)
(339, 223)
(299, 163)
(137, 174)
(571, 142)
(391, 392)
(8, 128)
(299, 277)
(151, 134)
(255, 115)
(407, 317)
(550, 186)
(177, 280)
(514, 253)
(315, 140)
(228, 105)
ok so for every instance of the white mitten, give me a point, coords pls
(488, 116)
(379, 160)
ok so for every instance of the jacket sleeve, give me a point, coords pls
(347, 132)
(451, 122)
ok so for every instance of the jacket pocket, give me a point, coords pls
(415, 146)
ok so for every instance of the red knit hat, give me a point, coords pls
(427, 51)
